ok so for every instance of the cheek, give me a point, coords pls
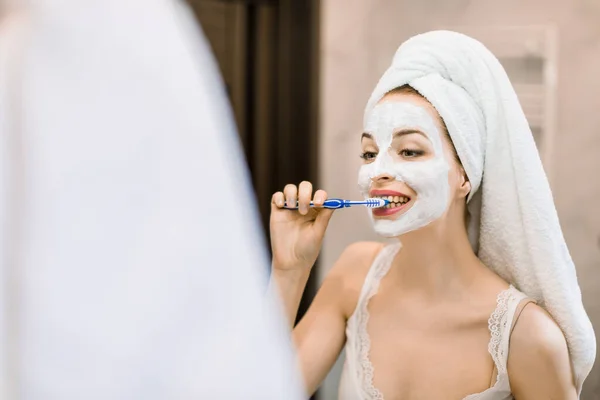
(365, 173)
(425, 175)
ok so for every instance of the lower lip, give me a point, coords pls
(384, 212)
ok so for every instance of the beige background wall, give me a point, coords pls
(358, 39)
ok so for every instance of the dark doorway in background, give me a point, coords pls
(267, 51)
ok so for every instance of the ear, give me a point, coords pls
(465, 185)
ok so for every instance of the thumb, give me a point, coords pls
(322, 219)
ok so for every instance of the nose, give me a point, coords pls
(382, 178)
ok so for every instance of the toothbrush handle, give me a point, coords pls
(340, 203)
(335, 203)
(329, 203)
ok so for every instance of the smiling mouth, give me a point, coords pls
(397, 204)
(394, 201)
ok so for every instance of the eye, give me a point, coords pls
(368, 155)
(408, 153)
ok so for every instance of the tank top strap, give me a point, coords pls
(501, 323)
(379, 268)
(358, 342)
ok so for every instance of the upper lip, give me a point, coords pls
(375, 193)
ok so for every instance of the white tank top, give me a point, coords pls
(357, 375)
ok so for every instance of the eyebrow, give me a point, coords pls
(403, 132)
(399, 133)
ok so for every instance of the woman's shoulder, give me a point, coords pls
(360, 254)
(350, 270)
(536, 332)
(538, 353)
(356, 259)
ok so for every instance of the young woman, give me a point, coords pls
(449, 311)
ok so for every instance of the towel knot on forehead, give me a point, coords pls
(513, 225)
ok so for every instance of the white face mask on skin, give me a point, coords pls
(429, 178)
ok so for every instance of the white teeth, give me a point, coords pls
(394, 201)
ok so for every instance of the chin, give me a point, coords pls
(389, 228)
(402, 223)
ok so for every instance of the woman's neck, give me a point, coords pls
(437, 260)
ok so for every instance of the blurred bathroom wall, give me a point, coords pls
(551, 50)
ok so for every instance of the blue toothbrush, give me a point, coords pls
(339, 203)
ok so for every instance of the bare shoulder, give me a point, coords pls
(537, 330)
(349, 272)
(538, 361)
(355, 261)
(358, 256)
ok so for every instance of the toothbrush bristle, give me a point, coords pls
(377, 203)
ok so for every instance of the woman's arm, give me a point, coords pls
(320, 335)
(290, 285)
(296, 239)
(538, 364)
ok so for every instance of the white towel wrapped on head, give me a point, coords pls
(513, 224)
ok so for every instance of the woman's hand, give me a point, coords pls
(297, 235)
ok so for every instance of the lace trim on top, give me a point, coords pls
(381, 269)
(497, 324)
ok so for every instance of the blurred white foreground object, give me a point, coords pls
(120, 280)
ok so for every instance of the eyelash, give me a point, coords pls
(416, 153)
(370, 155)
